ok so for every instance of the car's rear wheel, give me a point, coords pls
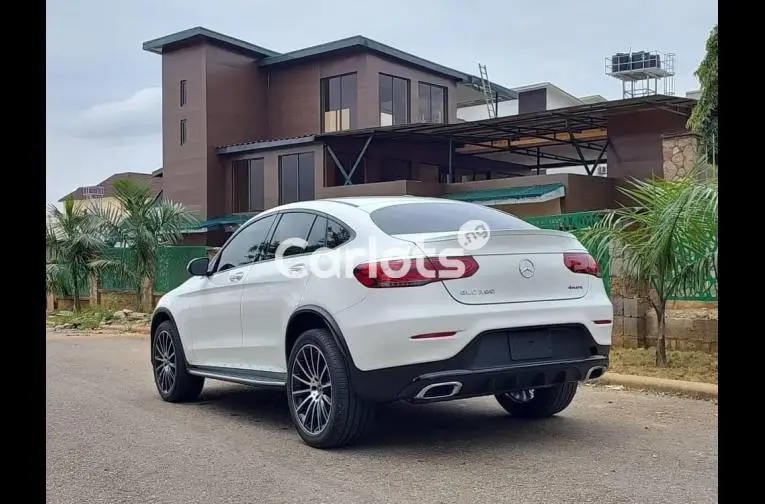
(538, 403)
(325, 410)
(168, 362)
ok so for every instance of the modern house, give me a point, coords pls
(246, 128)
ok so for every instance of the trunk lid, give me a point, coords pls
(515, 266)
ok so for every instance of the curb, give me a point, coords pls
(695, 389)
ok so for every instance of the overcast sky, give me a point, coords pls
(103, 98)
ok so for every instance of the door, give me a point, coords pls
(216, 321)
(274, 286)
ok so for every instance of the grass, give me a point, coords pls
(84, 320)
(682, 365)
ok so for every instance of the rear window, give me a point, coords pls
(414, 218)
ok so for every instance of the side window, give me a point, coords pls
(291, 225)
(247, 245)
(336, 234)
(318, 236)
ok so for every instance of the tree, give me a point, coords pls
(668, 240)
(703, 120)
(74, 250)
(142, 224)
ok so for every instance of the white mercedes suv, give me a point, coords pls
(352, 302)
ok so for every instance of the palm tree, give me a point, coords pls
(668, 240)
(74, 250)
(141, 223)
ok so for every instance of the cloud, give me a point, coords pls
(139, 115)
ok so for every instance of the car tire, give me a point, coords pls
(168, 363)
(324, 416)
(546, 402)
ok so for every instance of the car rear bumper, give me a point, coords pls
(488, 366)
(385, 329)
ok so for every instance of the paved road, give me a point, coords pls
(110, 439)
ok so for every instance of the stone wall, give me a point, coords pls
(679, 154)
(691, 325)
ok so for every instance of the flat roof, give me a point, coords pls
(267, 57)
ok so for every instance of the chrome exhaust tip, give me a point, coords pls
(439, 391)
(594, 373)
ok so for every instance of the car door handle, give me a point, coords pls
(235, 277)
(297, 268)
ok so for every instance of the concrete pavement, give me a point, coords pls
(110, 439)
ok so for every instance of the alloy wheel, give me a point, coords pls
(164, 362)
(311, 389)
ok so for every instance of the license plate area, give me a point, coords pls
(530, 345)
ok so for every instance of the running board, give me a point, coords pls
(241, 376)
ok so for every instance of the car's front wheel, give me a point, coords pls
(538, 403)
(173, 381)
(323, 406)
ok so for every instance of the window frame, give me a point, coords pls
(324, 101)
(430, 102)
(184, 91)
(393, 79)
(234, 181)
(297, 185)
(213, 266)
(275, 228)
(183, 135)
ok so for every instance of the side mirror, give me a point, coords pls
(198, 266)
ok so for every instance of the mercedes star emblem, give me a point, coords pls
(526, 268)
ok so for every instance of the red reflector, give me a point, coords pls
(581, 262)
(602, 322)
(414, 272)
(434, 335)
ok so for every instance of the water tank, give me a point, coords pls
(654, 61)
(620, 62)
(638, 60)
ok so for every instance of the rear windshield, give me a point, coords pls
(414, 218)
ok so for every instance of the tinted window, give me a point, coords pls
(291, 225)
(318, 236)
(246, 246)
(288, 179)
(296, 177)
(336, 234)
(415, 218)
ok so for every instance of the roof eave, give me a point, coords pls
(363, 43)
(158, 45)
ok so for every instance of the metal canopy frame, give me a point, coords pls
(555, 127)
(548, 125)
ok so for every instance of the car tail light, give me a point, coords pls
(581, 262)
(414, 272)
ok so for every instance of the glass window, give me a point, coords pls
(247, 245)
(183, 93)
(394, 100)
(297, 178)
(432, 103)
(182, 133)
(248, 181)
(338, 107)
(291, 225)
(412, 218)
(317, 238)
(336, 234)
